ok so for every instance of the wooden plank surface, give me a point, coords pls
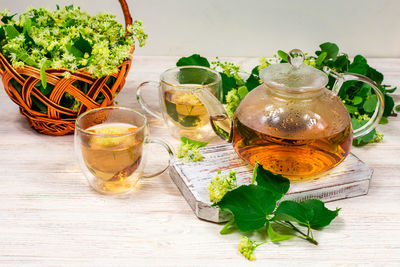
(49, 216)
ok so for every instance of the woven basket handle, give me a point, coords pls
(127, 13)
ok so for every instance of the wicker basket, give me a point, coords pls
(60, 120)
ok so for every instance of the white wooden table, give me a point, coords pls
(50, 216)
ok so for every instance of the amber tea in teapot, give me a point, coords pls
(291, 124)
(292, 157)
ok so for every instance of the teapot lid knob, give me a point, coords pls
(296, 57)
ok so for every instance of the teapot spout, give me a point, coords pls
(220, 121)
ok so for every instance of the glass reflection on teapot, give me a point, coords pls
(292, 124)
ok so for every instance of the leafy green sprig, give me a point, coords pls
(260, 206)
(359, 98)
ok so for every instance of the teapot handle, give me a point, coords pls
(376, 117)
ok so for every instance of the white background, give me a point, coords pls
(254, 27)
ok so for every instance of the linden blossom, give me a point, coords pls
(68, 38)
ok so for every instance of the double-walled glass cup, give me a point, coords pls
(110, 145)
(183, 113)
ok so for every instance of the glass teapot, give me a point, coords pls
(291, 124)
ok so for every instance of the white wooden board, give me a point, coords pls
(349, 179)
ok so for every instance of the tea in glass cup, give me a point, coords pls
(110, 145)
(183, 113)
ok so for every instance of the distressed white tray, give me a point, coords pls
(349, 179)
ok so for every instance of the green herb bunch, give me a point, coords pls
(359, 98)
(260, 207)
(67, 38)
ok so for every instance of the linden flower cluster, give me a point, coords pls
(221, 185)
(68, 38)
(247, 247)
(189, 152)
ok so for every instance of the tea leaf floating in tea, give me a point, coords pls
(258, 206)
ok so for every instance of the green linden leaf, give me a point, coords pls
(74, 51)
(397, 108)
(389, 105)
(311, 212)
(283, 55)
(375, 75)
(27, 26)
(12, 32)
(193, 60)
(321, 58)
(43, 68)
(242, 91)
(250, 205)
(6, 19)
(384, 120)
(359, 65)
(370, 104)
(2, 34)
(322, 215)
(275, 183)
(331, 50)
(252, 82)
(83, 45)
(24, 57)
(276, 237)
(228, 83)
(194, 142)
(357, 100)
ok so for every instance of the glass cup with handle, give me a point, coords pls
(183, 113)
(110, 145)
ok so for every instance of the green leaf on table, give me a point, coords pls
(11, 31)
(275, 236)
(370, 104)
(397, 108)
(384, 120)
(250, 205)
(193, 60)
(275, 183)
(194, 142)
(311, 212)
(331, 50)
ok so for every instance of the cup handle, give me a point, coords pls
(169, 150)
(143, 104)
(376, 117)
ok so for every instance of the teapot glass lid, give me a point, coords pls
(294, 76)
